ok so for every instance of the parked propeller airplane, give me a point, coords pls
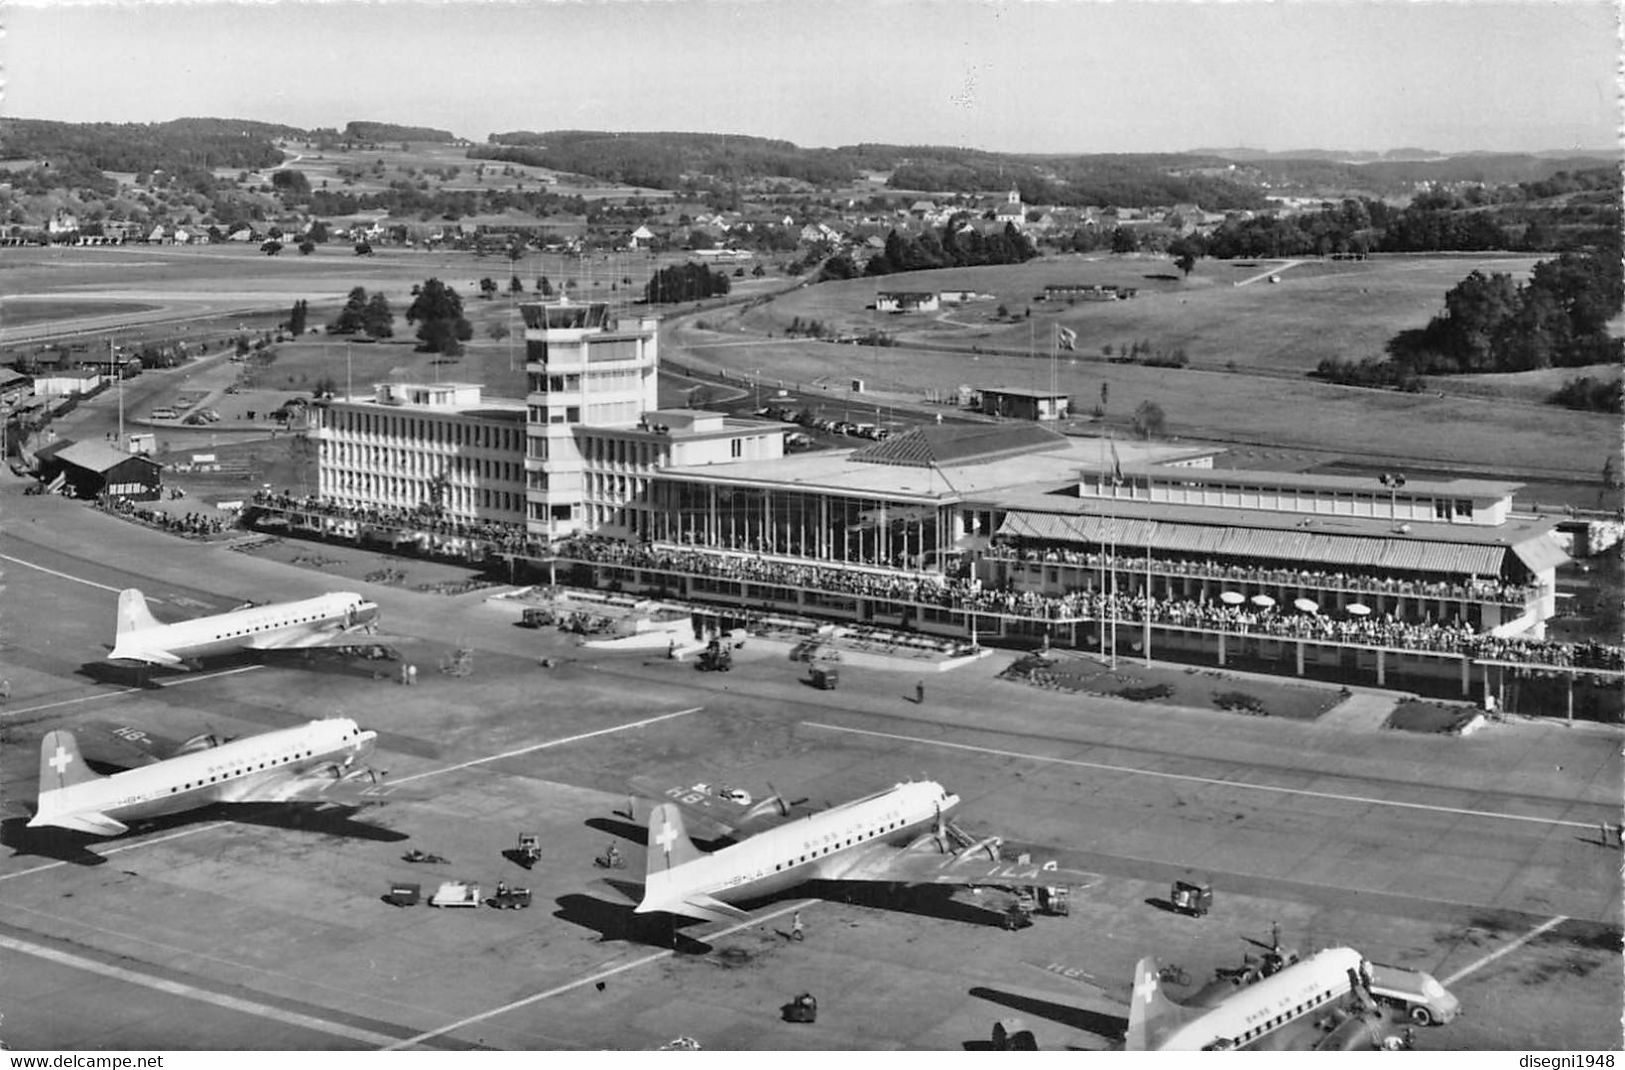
(328, 620)
(1320, 1003)
(315, 762)
(897, 836)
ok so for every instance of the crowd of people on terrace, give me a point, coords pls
(1494, 591)
(498, 536)
(964, 594)
(194, 525)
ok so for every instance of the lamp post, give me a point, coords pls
(1393, 481)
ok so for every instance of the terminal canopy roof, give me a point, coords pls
(1324, 549)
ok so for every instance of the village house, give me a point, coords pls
(907, 301)
(66, 382)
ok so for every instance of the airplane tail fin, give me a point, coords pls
(669, 845)
(60, 763)
(61, 767)
(1151, 1015)
(133, 614)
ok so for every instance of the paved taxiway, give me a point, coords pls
(269, 930)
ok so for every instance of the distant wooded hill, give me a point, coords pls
(1214, 180)
(176, 146)
(360, 130)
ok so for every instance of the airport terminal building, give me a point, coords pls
(1003, 530)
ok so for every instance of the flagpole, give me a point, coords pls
(1146, 635)
(1100, 621)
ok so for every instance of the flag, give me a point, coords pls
(1068, 337)
(1117, 465)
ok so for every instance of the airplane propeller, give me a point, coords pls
(783, 803)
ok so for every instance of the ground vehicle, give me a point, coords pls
(825, 677)
(1416, 993)
(404, 894)
(1191, 895)
(415, 855)
(456, 894)
(804, 1008)
(165, 414)
(1019, 915)
(534, 617)
(530, 849)
(716, 658)
(1055, 900)
(610, 859)
(507, 898)
(1012, 1034)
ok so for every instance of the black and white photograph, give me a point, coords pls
(611, 526)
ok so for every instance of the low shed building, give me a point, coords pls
(1022, 404)
(95, 468)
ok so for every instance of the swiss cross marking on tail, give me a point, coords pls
(1147, 987)
(61, 760)
(667, 837)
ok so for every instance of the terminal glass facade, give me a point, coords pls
(818, 525)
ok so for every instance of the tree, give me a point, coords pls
(317, 232)
(1105, 394)
(515, 286)
(438, 312)
(297, 318)
(271, 248)
(1148, 420)
(352, 317)
(363, 248)
(1185, 251)
(488, 287)
(1124, 241)
(378, 321)
(496, 331)
(293, 182)
(307, 247)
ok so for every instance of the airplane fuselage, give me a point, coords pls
(812, 847)
(230, 772)
(1259, 1015)
(267, 627)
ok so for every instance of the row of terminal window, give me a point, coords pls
(245, 769)
(836, 846)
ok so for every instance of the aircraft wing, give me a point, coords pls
(88, 821)
(718, 810)
(358, 787)
(314, 641)
(977, 866)
(705, 908)
(145, 656)
(123, 745)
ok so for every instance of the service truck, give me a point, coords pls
(1416, 993)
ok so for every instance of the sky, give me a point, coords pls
(1072, 76)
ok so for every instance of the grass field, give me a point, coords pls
(1250, 349)
(15, 312)
(1249, 345)
(1341, 309)
(323, 165)
(1170, 685)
